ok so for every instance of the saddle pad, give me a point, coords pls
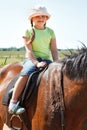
(29, 90)
(31, 87)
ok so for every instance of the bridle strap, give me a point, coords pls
(62, 99)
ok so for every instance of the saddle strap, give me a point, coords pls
(26, 120)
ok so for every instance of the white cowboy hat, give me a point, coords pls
(37, 11)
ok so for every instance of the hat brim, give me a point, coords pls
(38, 14)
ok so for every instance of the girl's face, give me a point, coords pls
(39, 21)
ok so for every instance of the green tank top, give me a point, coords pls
(41, 43)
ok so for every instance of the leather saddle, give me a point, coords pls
(29, 90)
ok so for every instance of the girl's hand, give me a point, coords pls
(41, 64)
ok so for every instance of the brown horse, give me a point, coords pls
(64, 81)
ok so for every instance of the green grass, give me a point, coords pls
(7, 57)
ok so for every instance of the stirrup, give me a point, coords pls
(20, 121)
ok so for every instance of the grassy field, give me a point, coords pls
(7, 57)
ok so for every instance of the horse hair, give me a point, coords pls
(75, 65)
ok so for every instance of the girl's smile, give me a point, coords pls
(39, 21)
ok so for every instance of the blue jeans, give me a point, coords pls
(29, 67)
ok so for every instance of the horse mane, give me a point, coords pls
(75, 65)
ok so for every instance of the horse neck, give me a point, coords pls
(75, 92)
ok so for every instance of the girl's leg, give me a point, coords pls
(28, 68)
(18, 88)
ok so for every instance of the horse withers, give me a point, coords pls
(63, 85)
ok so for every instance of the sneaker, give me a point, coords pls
(14, 109)
(20, 110)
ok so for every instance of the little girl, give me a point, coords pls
(39, 42)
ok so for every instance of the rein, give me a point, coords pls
(62, 99)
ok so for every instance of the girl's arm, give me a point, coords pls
(30, 54)
(54, 49)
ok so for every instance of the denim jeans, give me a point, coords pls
(29, 67)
